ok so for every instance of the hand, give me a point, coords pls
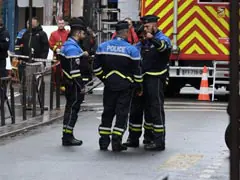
(139, 89)
(149, 36)
(85, 53)
(58, 51)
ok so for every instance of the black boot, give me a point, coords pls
(148, 137)
(153, 146)
(117, 145)
(70, 140)
(134, 143)
(146, 141)
(104, 142)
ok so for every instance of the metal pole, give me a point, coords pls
(51, 89)
(2, 93)
(30, 31)
(42, 95)
(58, 74)
(12, 103)
(34, 101)
(175, 21)
(234, 80)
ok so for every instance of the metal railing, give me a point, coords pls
(32, 89)
(5, 86)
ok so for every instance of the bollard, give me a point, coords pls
(2, 103)
(24, 93)
(34, 102)
(51, 90)
(58, 74)
(12, 102)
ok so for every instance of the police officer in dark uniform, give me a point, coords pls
(117, 64)
(71, 56)
(4, 46)
(155, 50)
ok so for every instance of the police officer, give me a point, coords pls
(4, 46)
(71, 55)
(155, 51)
(117, 64)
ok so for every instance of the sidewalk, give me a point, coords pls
(47, 118)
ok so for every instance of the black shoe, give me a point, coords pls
(71, 142)
(154, 147)
(117, 145)
(134, 143)
(104, 142)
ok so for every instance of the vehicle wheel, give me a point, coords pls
(227, 136)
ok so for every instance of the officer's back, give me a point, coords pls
(117, 56)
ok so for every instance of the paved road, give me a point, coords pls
(195, 150)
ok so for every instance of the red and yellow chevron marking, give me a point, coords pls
(203, 29)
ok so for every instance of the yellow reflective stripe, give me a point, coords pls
(85, 79)
(117, 133)
(158, 130)
(71, 76)
(162, 46)
(97, 74)
(120, 74)
(138, 80)
(67, 131)
(136, 129)
(148, 127)
(76, 75)
(105, 132)
(17, 48)
(68, 76)
(156, 73)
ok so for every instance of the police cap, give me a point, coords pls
(122, 25)
(77, 23)
(149, 19)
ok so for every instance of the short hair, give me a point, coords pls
(122, 31)
(60, 19)
(35, 18)
(74, 31)
(127, 19)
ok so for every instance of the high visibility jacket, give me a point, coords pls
(155, 53)
(57, 39)
(70, 57)
(117, 64)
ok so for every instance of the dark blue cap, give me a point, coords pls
(122, 25)
(149, 19)
(77, 23)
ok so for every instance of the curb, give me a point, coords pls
(31, 127)
(35, 126)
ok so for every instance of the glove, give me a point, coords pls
(139, 89)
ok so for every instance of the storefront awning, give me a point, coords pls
(25, 3)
